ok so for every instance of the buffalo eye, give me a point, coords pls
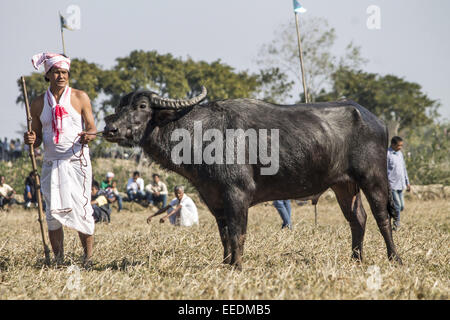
(143, 105)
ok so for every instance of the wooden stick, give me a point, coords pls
(301, 58)
(36, 175)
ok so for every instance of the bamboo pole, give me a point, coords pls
(63, 43)
(305, 91)
(36, 175)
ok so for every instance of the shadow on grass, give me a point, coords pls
(118, 264)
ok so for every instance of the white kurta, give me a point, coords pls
(188, 214)
(65, 181)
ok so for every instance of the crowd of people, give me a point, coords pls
(181, 211)
(12, 149)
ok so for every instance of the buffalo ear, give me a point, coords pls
(164, 116)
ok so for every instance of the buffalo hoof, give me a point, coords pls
(237, 266)
(227, 259)
(357, 256)
(396, 259)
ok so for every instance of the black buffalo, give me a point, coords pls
(338, 145)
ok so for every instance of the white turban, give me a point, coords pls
(109, 175)
(49, 60)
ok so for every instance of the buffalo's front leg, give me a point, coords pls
(223, 231)
(237, 228)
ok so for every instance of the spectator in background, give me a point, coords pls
(17, 149)
(111, 190)
(182, 210)
(135, 187)
(12, 148)
(5, 150)
(2, 151)
(100, 204)
(398, 177)
(6, 194)
(156, 192)
(116, 194)
(284, 210)
(107, 183)
(29, 194)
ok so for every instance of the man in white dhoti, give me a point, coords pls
(62, 119)
(182, 210)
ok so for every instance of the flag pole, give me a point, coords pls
(298, 8)
(62, 33)
(301, 58)
(63, 44)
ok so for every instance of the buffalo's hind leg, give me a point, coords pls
(349, 199)
(376, 190)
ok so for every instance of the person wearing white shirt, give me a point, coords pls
(135, 187)
(6, 194)
(156, 192)
(182, 210)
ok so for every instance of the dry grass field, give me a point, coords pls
(134, 260)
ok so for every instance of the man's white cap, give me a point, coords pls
(49, 60)
(110, 175)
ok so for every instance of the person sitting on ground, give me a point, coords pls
(107, 183)
(100, 205)
(182, 210)
(117, 195)
(135, 187)
(110, 187)
(6, 194)
(156, 192)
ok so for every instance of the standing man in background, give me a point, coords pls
(398, 177)
(63, 121)
(284, 210)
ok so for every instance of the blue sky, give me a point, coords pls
(412, 42)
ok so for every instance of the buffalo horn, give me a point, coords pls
(178, 103)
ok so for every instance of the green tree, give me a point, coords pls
(174, 77)
(427, 150)
(36, 85)
(320, 62)
(398, 102)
